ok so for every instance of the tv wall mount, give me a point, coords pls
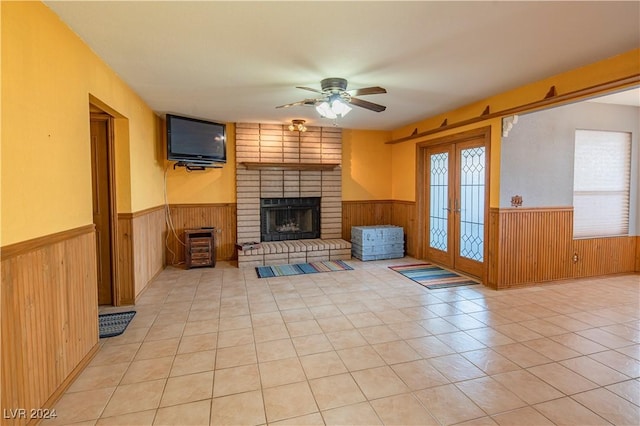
(192, 167)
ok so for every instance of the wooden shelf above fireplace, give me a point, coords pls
(290, 166)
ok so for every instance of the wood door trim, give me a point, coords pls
(421, 189)
(113, 210)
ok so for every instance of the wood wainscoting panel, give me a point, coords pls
(638, 253)
(149, 234)
(192, 216)
(365, 213)
(531, 245)
(381, 212)
(602, 256)
(49, 311)
(404, 214)
(528, 246)
(125, 293)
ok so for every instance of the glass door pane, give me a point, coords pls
(439, 201)
(471, 204)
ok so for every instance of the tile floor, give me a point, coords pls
(365, 347)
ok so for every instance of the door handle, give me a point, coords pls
(456, 209)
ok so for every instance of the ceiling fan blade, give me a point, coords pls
(367, 105)
(309, 88)
(368, 91)
(307, 102)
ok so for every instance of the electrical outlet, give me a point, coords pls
(575, 258)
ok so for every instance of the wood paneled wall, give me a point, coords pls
(529, 246)
(49, 316)
(638, 253)
(189, 216)
(141, 237)
(380, 212)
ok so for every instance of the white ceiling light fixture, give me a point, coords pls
(297, 126)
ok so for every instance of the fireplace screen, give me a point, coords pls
(289, 218)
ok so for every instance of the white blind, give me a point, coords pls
(602, 169)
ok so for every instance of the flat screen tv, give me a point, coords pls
(190, 140)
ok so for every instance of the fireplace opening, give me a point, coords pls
(289, 218)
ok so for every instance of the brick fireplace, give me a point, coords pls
(273, 162)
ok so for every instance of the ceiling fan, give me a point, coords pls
(334, 98)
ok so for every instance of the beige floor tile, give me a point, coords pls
(480, 421)
(578, 343)
(449, 405)
(396, 352)
(322, 364)
(604, 338)
(262, 319)
(526, 416)
(629, 390)
(489, 337)
(314, 419)
(202, 315)
(200, 327)
(296, 315)
(438, 325)
(594, 371)
(430, 347)
(281, 372)
(419, 374)
(236, 380)
(158, 349)
(103, 376)
(270, 332)
(402, 409)
(141, 418)
(239, 409)
(336, 391)
(456, 368)
(460, 341)
(523, 356)
(378, 334)
(78, 406)
(527, 387)
(162, 331)
(312, 344)
(236, 337)
(490, 361)
(551, 349)
(194, 413)
(408, 329)
(303, 328)
(360, 358)
(275, 349)
(189, 388)
(357, 415)
(490, 395)
(566, 411)
(235, 323)
(517, 332)
(563, 379)
(322, 307)
(346, 339)
(193, 362)
(464, 322)
(148, 369)
(236, 355)
(364, 319)
(135, 397)
(197, 343)
(568, 323)
(610, 406)
(379, 382)
(287, 401)
(624, 364)
(108, 355)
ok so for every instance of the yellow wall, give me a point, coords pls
(208, 186)
(366, 165)
(404, 153)
(48, 74)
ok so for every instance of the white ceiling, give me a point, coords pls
(235, 61)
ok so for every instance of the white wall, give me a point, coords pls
(537, 155)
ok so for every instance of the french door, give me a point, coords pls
(455, 178)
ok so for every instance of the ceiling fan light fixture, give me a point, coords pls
(325, 110)
(297, 126)
(340, 108)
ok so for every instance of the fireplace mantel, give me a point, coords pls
(250, 165)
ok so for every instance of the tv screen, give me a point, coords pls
(191, 140)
